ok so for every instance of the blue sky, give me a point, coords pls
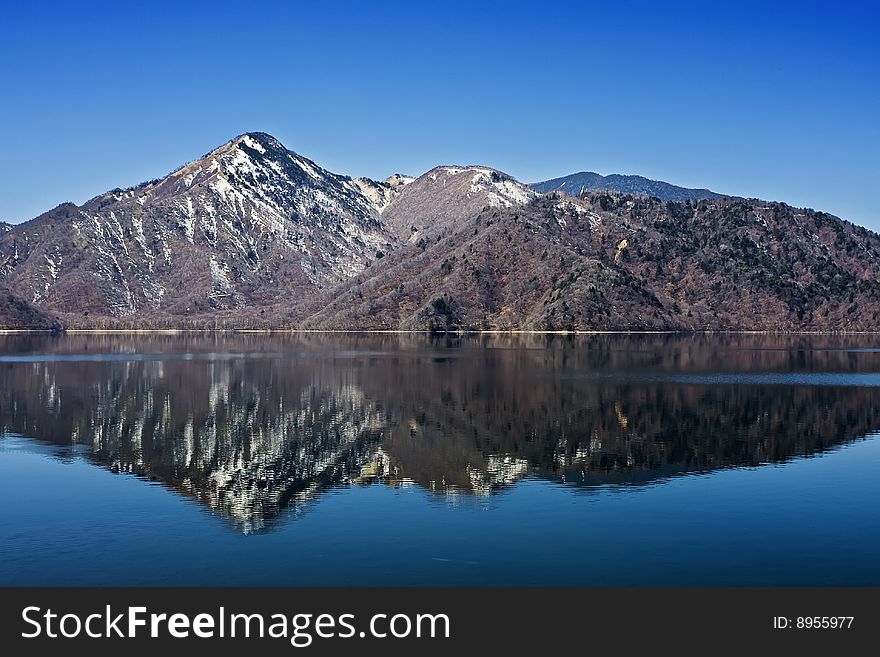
(779, 102)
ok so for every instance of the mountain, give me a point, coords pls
(578, 183)
(253, 235)
(500, 267)
(447, 195)
(618, 262)
(249, 224)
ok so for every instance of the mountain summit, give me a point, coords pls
(249, 223)
(253, 235)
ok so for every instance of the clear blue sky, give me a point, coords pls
(778, 102)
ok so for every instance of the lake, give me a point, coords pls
(404, 459)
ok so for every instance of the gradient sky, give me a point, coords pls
(778, 102)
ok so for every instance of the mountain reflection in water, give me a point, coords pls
(257, 426)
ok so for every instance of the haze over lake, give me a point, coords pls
(406, 459)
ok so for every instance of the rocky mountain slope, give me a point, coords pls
(587, 181)
(501, 268)
(250, 223)
(255, 236)
(617, 262)
(446, 196)
(382, 193)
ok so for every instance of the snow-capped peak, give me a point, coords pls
(249, 215)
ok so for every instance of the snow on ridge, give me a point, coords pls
(374, 193)
(453, 170)
(250, 142)
(305, 166)
(241, 161)
(502, 191)
(398, 180)
(378, 195)
(516, 192)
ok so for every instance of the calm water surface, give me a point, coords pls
(223, 459)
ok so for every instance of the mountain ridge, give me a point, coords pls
(587, 181)
(216, 233)
(253, 235)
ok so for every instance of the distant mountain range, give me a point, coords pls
(587, 181)
(253, 235)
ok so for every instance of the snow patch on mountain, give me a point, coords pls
(398, 180)
(501, 192)
(220, 279)
(250, 142)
